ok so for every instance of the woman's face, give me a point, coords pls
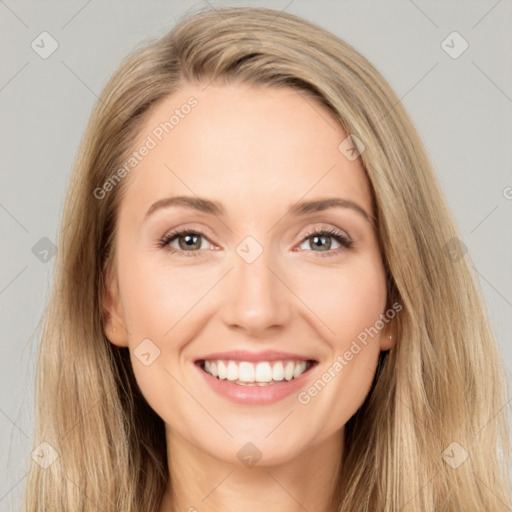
(252, 281)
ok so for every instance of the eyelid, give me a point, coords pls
(326, 229)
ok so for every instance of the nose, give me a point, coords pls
(256, 298)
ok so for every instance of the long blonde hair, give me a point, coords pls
(437, 394)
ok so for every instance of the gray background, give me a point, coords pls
(462, 109)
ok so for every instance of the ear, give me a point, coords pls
(388, 337)
(113, 322)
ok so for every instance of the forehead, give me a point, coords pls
(246, 146)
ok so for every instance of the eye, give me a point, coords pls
(188, 240)
(322, 239)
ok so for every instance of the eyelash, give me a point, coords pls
(339, 236)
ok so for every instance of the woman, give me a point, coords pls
(198, 354)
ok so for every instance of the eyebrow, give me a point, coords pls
(297, 209)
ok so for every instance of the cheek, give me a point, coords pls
(158, 306)
(162, 304)
(347, 299)
(350, 304)
(157, 296)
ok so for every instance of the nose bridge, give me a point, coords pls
(256, 299)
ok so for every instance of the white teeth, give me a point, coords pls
(278, 371)
(246, 372)
(288, 370)
(263, 372)
(299, 369)
(260, 374)
(232, 371)
(221, 369)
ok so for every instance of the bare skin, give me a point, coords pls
(257, 151)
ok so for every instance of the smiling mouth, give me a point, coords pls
(264, 373)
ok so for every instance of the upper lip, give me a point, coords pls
(245, 355)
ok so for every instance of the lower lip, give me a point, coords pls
(255, 395)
